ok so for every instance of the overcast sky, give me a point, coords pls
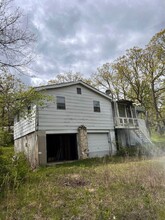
(81, 35)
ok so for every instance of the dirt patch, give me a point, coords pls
(75, 180)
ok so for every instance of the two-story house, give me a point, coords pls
(78, 123)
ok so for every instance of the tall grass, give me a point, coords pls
(14, 169)
(107, 188)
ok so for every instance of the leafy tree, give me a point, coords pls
(106, 78)
(15, 98)
(154, 65)
(130, 71)
(139, 75)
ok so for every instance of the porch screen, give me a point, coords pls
(122, 112)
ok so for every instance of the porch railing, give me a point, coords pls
(126, 122)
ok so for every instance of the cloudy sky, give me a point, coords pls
(81, 35)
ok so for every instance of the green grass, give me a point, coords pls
(107, 188)
(155, 137)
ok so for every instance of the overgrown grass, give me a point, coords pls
(159, 141)
(14, 169)
(155, 137)
(107, 188)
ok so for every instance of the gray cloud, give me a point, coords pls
(81, 35)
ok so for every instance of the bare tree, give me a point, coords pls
(15, 38)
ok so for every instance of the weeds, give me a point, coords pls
(107, 188)
(13, 169)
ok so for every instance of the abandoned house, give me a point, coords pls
(79, 122)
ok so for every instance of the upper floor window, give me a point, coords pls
(60, 102)
(122, 110)
(18, 117)
(79, 91)
(96, 106)
(29, 108)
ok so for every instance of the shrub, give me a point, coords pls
(6, 138)
(147, 150)
(21, 167)
(128, 151)
(14, 169)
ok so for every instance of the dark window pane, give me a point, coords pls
(121, 110)
(29, 109)
(60, 102)
(78, 90)
(18, 117)
(96, 106)
(128, 112)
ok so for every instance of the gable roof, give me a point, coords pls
(67, 84)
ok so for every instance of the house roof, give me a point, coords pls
(125, 101)
(67, 84)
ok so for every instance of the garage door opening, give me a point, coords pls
(61, 147)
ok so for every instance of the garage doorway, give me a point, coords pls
(61, 147)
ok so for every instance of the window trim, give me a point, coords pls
(79, 91)
(96, 106)
(60, 105)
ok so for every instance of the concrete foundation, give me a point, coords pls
(29, 146)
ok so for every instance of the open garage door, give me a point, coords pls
(61, 147)
(98, 145)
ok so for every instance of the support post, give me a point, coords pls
(83, 142)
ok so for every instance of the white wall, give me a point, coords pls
(25, 125)
(79, 111)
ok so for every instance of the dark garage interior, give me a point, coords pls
(61, 147)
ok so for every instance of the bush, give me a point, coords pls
(6, 138)
(147, 150)
(21, 167)
(14, 169)
(128, 151)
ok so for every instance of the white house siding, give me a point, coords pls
(25, 125)
(79, 111)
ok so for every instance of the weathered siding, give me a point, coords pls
(28, 145)
(25, 125)
(79, 111)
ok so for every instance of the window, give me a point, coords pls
(96, 106)
(29, 109)
(121, 109)
(18, 117)
(79, 91)
(60, 102)
(128, 110)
